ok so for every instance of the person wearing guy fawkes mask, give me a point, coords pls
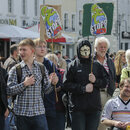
(84, 86)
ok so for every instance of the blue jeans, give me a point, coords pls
(7, 125)
(83, 121)
(31, 123)
(60, 120)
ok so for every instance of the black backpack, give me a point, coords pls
(19, 77)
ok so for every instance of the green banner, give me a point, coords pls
(97, 19)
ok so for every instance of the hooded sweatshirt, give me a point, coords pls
(77, 77)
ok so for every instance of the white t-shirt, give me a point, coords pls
(116, 109)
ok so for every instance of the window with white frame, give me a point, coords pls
(24, 7)
(80, 17)
(10, 10)
(73, 22)
(36, 7)
(66, 21)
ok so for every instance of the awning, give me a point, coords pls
(3, 35)
(16, 32)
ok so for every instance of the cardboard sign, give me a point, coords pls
(50, 22)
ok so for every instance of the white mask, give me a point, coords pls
(85, 50)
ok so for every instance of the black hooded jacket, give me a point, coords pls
(77, 77)
(111, 77)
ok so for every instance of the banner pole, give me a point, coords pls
(54, 70)
(93, 53)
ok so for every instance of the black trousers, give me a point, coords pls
(2, 122)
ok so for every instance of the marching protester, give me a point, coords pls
(116, 110)
(29, 88)
(49, 99)
(3, 98)
(8, 64)
(60, 108)
(61, 62)
(13, 58)
(102, 45)
(2, 60)
(85, 88)
(120, 63)
(126, 70)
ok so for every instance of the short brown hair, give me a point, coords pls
(13, 48)
(27, 42)
(123, 82)
(38, 41)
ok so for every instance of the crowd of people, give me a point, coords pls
(42, 90)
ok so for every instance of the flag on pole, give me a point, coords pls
(97, 19)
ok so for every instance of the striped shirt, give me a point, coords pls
(29, 100)
(105, 65)
(117, 109)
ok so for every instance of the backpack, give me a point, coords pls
(19, 76)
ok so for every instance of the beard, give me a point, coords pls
(101, 54)
(126, 94)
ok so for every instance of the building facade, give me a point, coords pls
(120, 33)
(26, 13)
(22, 13)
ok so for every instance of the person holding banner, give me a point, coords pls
(84, 83)
(49, 99)
(101, 47)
